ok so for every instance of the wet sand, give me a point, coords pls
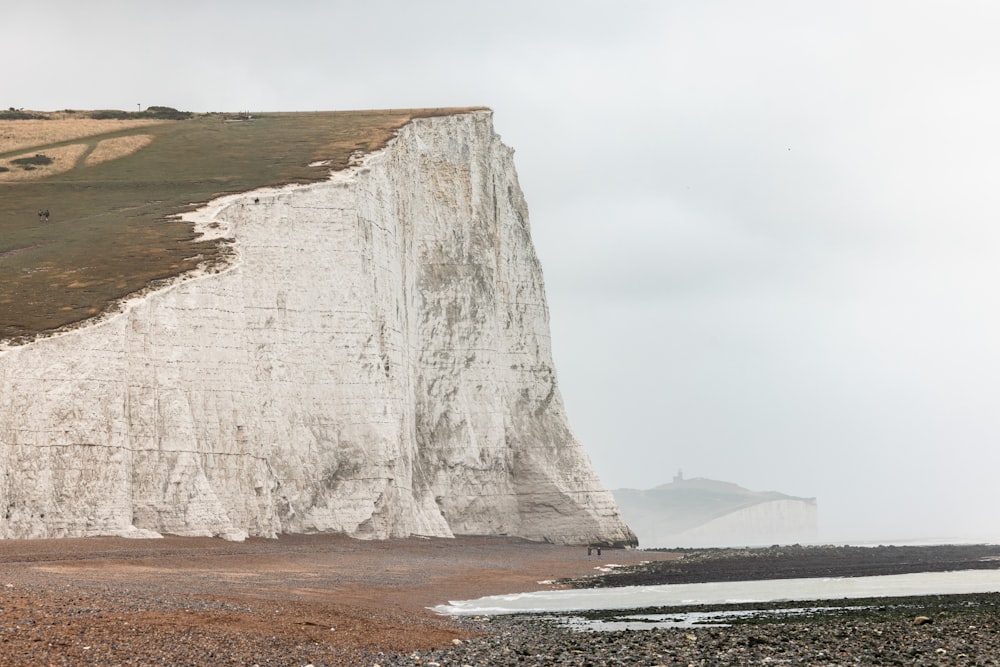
(297, 600)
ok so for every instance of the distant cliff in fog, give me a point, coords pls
(708, 513)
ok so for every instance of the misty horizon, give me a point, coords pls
(767, 231)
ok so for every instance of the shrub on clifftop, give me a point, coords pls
(17, 114)
(39, 159)
(164, 113)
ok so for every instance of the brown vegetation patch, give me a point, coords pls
(112, 149)
(61, 159)
(19, 134)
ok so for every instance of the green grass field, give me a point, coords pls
(112, 229)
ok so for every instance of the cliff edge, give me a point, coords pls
(374, 360)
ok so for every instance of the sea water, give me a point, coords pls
(667, 595)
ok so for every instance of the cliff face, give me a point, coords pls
(375, 360)
(788, 521)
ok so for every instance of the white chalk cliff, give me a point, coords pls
(373, 360)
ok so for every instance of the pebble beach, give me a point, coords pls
(968, 637)
(328, 600)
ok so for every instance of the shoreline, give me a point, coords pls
(334, 600)
(930, 630)
(953, 629)
(795, 561)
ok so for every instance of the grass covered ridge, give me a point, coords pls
(114, 185)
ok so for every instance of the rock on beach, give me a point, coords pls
(965, 638)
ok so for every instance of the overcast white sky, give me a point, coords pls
(769, 229)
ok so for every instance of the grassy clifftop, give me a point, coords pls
(114, 184)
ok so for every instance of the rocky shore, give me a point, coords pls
(961, 630)
(695, 566)
(327, 600)
(926, 630)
